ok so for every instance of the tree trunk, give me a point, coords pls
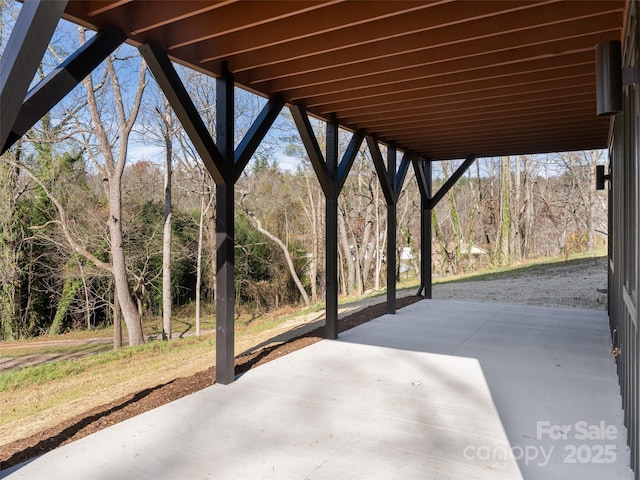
(112, 169)
(475, 202)
(117, 322)
(211, 240)
(85, 288)
(505, 213)
(440, 239)
(312, 218)
(350, 280)
(167, 297)
(292, 269)
(127, 306)
(203, 213)
(366, 253)
(517, 231)
(455, 220)
(527, 213)
(9, 253)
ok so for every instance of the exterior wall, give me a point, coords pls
(624, 242)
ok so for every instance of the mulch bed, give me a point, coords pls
(106, 415)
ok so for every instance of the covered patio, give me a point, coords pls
(442, 389)
(420, 81)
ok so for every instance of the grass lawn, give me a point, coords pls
(35, 397)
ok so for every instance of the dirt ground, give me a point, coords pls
(127, 407)
(576, 284)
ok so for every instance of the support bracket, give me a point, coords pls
(433, 201)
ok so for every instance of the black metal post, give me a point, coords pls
(427, 235)
(331, 253)
(225, 294)
(392, 267)
(423, 176)
(332, 268)
(331, 176)
(225, 232)
(225, 167)
(426, 286)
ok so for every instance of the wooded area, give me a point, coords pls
(90, 235)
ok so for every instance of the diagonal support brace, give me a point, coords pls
(23, 53)
(384, 177)
(255, 135)
(173, 88)
(53, 88)
(312, 148)
(433, 201)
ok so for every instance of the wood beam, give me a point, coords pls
(482, 108)
(583, 78)
(546, 94)
(144, 18)
(101, 7)
(457, 83)
(316, 21)
(454, 70)
(421, 178)
(331, 173)
(331, 230)
(447, 42)
(376, 29)
(234, 22)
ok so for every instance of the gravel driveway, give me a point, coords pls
(574, 284)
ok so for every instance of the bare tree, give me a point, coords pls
(110, 158)
(584, 199)
(292, 269)
(504, 237)
(167, 129)
(204, 207)
(9, 253)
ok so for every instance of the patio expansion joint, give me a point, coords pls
(489, 320)
(344, 444)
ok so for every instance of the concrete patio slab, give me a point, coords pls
(441, 390)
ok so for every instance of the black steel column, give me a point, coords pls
(225, 165)
(391, 180)
(225, 237)
(428, 201)
(392, 261)
(332, 268)
(331, 176)
(426, 279)
(331, 253)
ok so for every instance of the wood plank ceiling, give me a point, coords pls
(441, 78)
